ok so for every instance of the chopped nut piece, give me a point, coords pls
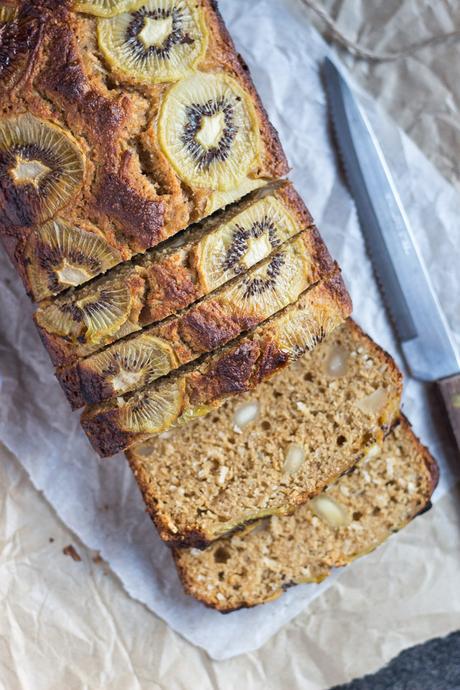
(245, 414)
(373, 451)
(372, 404)
(295, 457)
(301, 407)
(330, 511)
(390, 466)
(222, 475)
(337, 362)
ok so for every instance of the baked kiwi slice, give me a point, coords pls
(132, 363)
(274, 284)
(20, 32)
(249, 237)
(208, 130)
(106, 8)
(92, 318)
(161, 41)
(60, 255)
(303, 332)
(7, 13)
(154, 411)
(41, 168)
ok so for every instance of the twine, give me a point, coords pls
(362, 53)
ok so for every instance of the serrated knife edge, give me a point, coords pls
(405, 284)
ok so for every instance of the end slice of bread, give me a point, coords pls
(387, 489)
(274, 448)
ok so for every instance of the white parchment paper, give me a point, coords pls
(99, 500)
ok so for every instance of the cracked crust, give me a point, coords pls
(167, 279)
(235, 369)
(130, 195)
(247, 570)
(327, 419)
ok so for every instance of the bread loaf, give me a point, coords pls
(170, 278)
(238, 306)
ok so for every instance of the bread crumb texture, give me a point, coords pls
(270, 449)
(387, 489)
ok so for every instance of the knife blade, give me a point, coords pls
(420, 325)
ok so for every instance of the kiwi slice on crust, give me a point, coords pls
(106, 8)
(277, 282)
(41, 168)
(7, 13)
(132, 363)
(160, 41)
(60, 255)
(303, 332)
(99, 314)
(155, 410)
(209, 132)
(248, 238)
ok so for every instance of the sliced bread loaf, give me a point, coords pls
(273, 448)
(386, 489)
(236, 307)
(170, 278)
(199, 387)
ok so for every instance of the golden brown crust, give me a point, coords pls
(168, 280)
(430, 462)
(206, 326)
(52, 69)
(235, 369)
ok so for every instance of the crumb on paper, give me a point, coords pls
(97, 559)
(70, 550)
(51, 539)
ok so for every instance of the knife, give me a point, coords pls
(420, 325)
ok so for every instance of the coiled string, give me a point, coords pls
(362, 53)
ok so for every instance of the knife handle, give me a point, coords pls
(450, 390)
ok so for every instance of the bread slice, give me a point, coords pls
(168, 279)
(236, 307)
(273, 448)
(389, 487)
(101, 160)
(200, 387)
